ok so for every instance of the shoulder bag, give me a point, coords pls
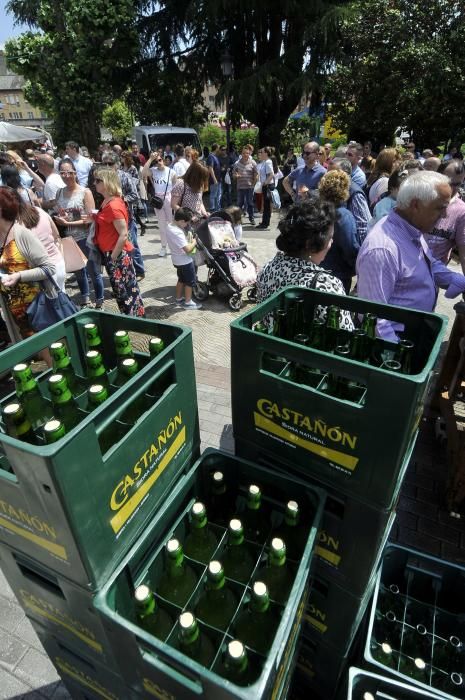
(156, 201)
(73, 255)
(44, 311)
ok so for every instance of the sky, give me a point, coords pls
(6, 25)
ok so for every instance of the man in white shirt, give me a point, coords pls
(53, 181)
(83, 165)
(180, 164)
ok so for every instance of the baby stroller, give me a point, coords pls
(230, 269)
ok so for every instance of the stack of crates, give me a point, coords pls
(69, 513)
(416, 630)
(358, 450)
(157, 668)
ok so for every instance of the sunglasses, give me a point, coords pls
(308, 153)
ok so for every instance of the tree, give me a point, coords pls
(73, 60)
(278, 49)
(401, 64)
(117, 118)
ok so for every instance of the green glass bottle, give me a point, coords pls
(156, 346)
(178, 580)
(97, 394)
(93, 339)
(62, 365)
(391, 600)
(220, 505)
(359, 346)
(254, 520)
(96, 371)
(280, 325)
(65, 407)
(218, 603)
(201, 542)
(383, 653)
(238, 560)
(405, 355)
(257, 623)
(260, 327)
(414, 668)
(453, 684)
(36, 408)
(127, 368)
(302, 339)
(318, 334)
(150, 616)
(17, 424)
(236, 664)
(338, 386)
(290, 309)
(392, 366)
(300, 325)
(369, 324)
(293, 531)
(193, 642)
(53, 431)
(276, 575)
(417, 642)
(448, 654)
(123, 345)
(332, 329)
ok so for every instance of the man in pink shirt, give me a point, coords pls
(449, 232)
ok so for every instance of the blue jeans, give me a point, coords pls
(215, 196)
(136, 254)
(245, 199)
(91, 270)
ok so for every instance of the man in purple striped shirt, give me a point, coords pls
(395, 265)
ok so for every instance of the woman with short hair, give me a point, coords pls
(111, 239)
(306, 233)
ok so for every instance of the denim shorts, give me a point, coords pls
(186, 274)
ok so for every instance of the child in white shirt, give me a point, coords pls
(180, 248)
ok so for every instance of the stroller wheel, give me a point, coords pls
(235, 302)
(252, 294)
(200, 291)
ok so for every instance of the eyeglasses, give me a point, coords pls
(308, 153)
(67, 172)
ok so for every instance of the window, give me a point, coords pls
(14, 115)
(30, 115)
(11, 99)
(20, 115)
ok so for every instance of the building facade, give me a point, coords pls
(14, 107)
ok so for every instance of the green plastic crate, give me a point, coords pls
(350, 531)
(319, 671)
(83, 676)
(333, 615)
(145, 661)
(356, 448)
(75, 509)
(413, 590)
(60, 606)
(363, 685)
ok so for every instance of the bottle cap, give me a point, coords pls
(120, 334)
(278, 545)
(97, 393)
(254, 490)
(90, 326)
(420, 664)
(293, 507)
(368, 696)
(235, 525)
(387, 649)
(218, 477)
(52, 425)
(198, 509)
(20, 367)
(172, 547)
(57, 346)
(129, 362)
(215, 567)
(11, 408)
(142, 593)
(236, 649)
(260, 589)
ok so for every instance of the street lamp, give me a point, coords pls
(227, 70)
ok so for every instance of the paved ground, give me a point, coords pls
(25, 671)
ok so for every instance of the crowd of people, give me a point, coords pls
(391, 219)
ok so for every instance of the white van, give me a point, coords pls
(149, 138)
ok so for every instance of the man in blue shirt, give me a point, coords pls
(214, 168)
(307, 176)
(353, 155)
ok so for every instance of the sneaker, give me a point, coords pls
(262, 227)
(191, 305)
(252, 222)
(99, 305)
(146, 222)
(179, 302)
(162, 252)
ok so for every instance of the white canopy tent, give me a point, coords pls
(11, 133)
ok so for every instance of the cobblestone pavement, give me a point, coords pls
(25, 671)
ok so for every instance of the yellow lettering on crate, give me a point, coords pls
(316, 618)
(128, 493)
(14, 519)
(290, 647)
(158, 692)
(300, 423)
(49, 612)
(84, 679)
(322, 550)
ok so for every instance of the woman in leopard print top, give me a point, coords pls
(306, 234)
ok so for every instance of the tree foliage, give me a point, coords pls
(73, 58)
(117, 118)
(278, 48)
(401, 64)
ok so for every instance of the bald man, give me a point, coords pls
(432, 164)
(53, 181)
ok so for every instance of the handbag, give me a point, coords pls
(275, 199)
(73, 255)
(156, 201)
(44, 311)
(243, 269)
